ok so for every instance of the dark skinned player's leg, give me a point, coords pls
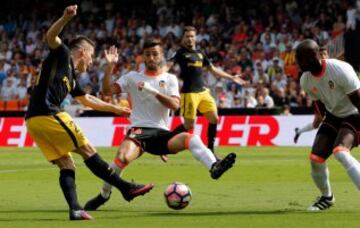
(321, 150)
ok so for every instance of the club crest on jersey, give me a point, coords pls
(331, 84)
(140, 85)
(162, 84)
(314, 90)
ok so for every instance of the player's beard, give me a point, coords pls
(190, 45)
(315, 68)
(152, 66)
(81, 66)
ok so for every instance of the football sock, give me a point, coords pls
(102, 170)
(320, 175)
(306, 128)
(211, 133)
(201, 152)
(351, 165)
(68, 187)
(106, 189)
(180, 128)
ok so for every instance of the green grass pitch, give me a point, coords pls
(268, 187)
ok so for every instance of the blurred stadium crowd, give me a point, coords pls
(256, 39)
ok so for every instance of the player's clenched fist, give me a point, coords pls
(70, 11)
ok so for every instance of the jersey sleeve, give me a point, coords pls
(77, 91)
(173, 86)
(348, 79)
(305, 86)
(175, 57)
(123, 82)
(60, 52)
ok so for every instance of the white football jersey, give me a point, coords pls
(147, 111)
(336, 80)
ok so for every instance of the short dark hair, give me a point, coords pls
(78, 41)
(322, 48)
(151, 42)
(189, 29)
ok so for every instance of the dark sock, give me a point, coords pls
(211, 136)
(179, 129)
(102, 170)
(67, 183)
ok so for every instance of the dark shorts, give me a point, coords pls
(151, 140)
(327, 134)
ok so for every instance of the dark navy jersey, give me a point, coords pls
(56, 80)
(191, 63)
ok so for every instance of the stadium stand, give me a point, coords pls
(256, 39)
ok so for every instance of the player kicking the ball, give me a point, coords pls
(54, 131)
(334, 86)
(153, 94)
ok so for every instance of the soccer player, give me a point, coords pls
(53, 130)
(153, 94)
(194, 94)
(334, 86)
(324, 53)
(317, 121)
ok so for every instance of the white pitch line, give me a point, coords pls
(23, 170)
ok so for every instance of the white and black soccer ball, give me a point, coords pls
(177, 195)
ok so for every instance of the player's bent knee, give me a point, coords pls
(316, 159)
(178, 142)
(214, 119)
(340, 149)
(65, 162)
(189, 123)
(86, 151)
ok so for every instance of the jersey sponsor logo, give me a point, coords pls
(67, 83)
(314, 90)
(140, 85)
(196, 64)
(231, 130)
(331, 84)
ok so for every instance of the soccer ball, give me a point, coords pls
(177, 195)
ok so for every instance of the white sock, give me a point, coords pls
(201, 152)
(320, 175)
(351, 165)
(308, 127)
(106, 189)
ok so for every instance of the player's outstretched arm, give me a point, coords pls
(97, 104)
(319, 109)
(52, 37)
(220, 73)
(111, 57)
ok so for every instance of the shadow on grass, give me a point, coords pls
(221, 213)
(109, 214)
(18, 216)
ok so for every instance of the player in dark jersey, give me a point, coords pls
(194, 94)
(54, 131)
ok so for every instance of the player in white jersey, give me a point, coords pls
(333, 86)
(317, 121)
(153, 94)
